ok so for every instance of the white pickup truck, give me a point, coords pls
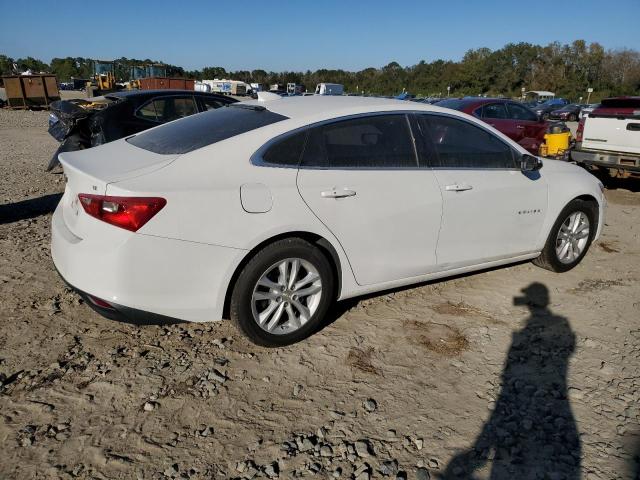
(609, 137)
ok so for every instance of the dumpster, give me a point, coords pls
(159, 83)
(31, 91)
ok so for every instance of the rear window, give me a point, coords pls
(629, 102)
(453, 103)
(207, 128)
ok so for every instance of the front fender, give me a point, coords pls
(567, 182)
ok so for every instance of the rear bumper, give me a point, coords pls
(146, 279)
(621, 161)
(122, 313)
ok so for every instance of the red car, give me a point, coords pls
(511, 118)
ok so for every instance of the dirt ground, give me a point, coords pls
(510, 373)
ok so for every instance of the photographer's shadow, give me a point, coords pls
(531, 433)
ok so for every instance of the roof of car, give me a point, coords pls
(336, 105)
(154, 93)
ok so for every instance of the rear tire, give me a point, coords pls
(567, 244)
(276, 305)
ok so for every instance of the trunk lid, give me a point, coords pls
(90, 171)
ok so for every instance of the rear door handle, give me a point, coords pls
(458, 187)
(520, 126)
(338, 193)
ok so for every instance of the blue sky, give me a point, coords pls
(300, 35)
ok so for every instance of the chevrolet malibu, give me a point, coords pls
(268, 211)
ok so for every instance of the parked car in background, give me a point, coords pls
(329, 89)
(569, 113)
(279, 207)
(609, 137)
(79, 124)
(587, 109)
(511, 118)
(544, 109)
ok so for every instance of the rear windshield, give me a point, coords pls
(629, 102)
(207, 128)
(453, 103)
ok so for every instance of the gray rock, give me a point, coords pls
(422, 474)
(370, 405)
(363, 449)
(272, 470)
(306, 445)
(364, 468)
(388, 468)
(326, 451)
(297, 389)
(217, 376)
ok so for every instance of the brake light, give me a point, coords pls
(130, 213)
(580, 130)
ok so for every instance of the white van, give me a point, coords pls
(329, 89)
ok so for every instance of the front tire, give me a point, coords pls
(572, 118)
(282, 294)
(570, 237)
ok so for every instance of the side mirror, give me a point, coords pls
(529, 163)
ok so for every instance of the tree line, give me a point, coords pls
(566, 69)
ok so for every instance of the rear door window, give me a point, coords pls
(207, 128)
(495, 110)
(382, 141)
(457, 144)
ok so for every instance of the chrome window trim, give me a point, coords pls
(256, 159)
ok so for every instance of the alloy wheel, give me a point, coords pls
(286, 296)
(572, 237)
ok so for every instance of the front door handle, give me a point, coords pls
(458, 187)
(520, 126)
(338, 193)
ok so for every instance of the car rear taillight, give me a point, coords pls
(98, 302)
(130, 213)
(580, 130)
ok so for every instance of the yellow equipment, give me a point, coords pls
(556, 143)
(103, 80)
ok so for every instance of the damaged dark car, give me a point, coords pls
(84, 123)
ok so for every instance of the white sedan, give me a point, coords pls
(268, 211)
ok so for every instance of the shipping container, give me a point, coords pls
(160, 83)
